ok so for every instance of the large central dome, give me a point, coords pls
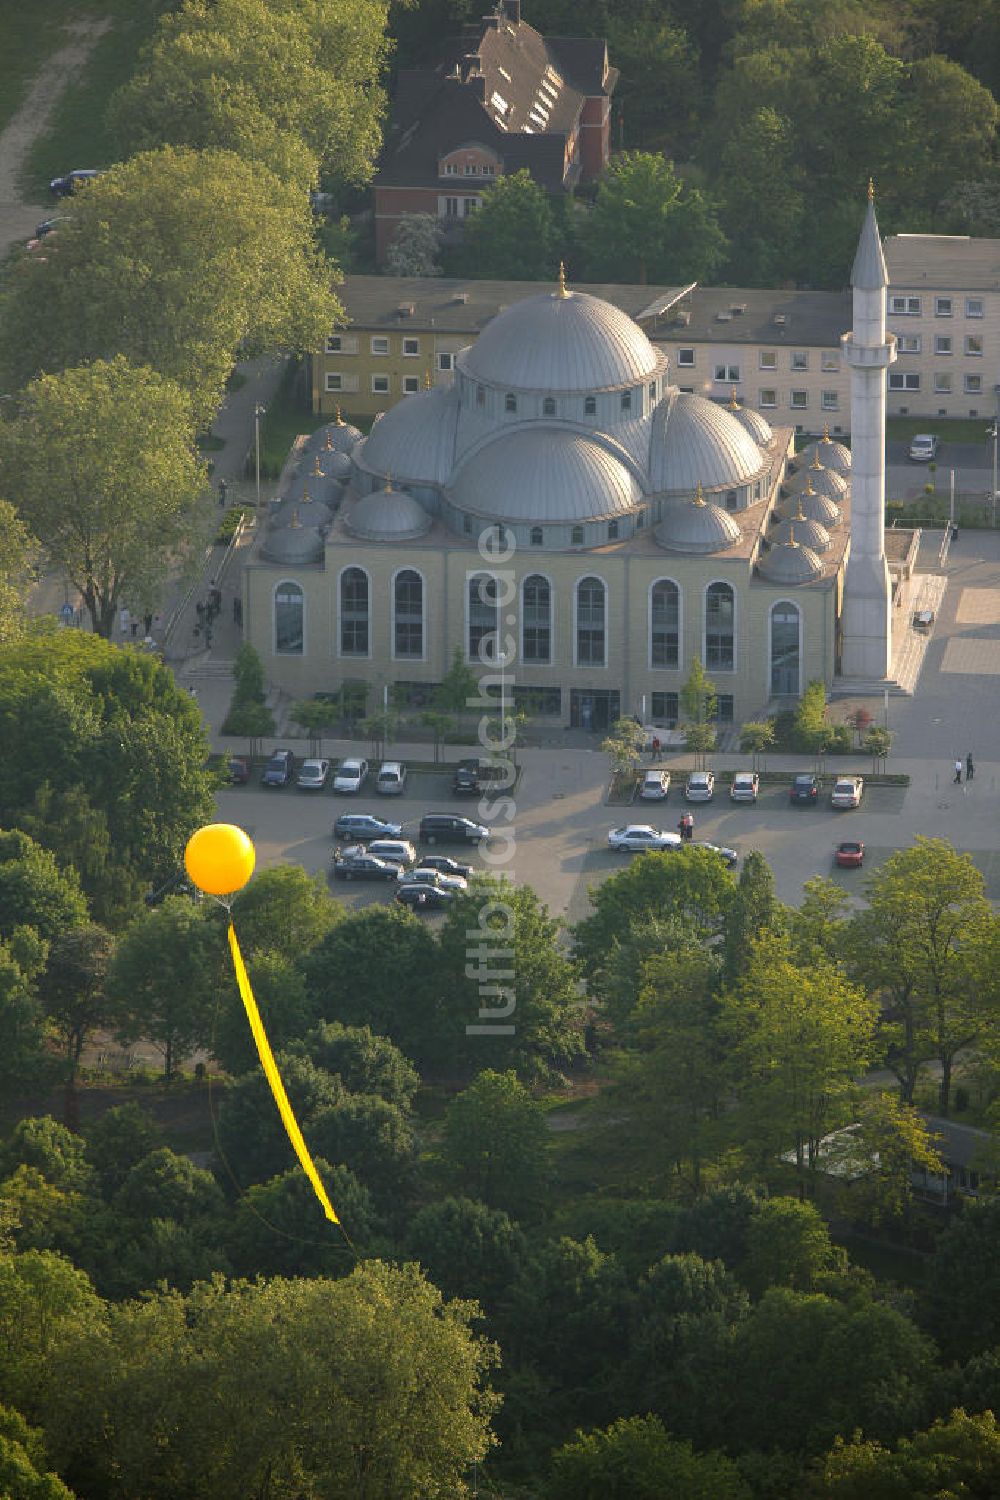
(561, 341)
(545, 474)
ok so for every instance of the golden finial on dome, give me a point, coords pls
(699, 498)
(388, 481)
(809, 487)
(800, 514)
(826, 432)
(328, 445)
(562, 292)
(428, 382)
(815, 461)
(791, 537)
(295, 523)
(305, 494)
(338, 419)
(734, 405)
(317, 467)
(871, 190)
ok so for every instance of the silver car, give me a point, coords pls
(350, 776)
(655, 786)
(313, 775)
(700, 786)
(638, 836)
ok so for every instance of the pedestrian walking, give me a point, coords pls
(970, 769)
(958, 773)
(654, 749)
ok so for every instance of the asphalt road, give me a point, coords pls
(972, 462)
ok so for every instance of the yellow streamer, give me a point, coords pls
(274, 1078)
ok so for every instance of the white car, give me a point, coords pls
(313, 775)
(400, 851)
(655, 786)
(437, 878)
(847, 791)
(746, 785)
(924, 447)
(729, 855)
(638, 836)
(350, 776)
(700, 786)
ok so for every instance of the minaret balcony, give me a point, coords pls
(868, 356)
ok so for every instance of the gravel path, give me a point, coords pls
(17, 218)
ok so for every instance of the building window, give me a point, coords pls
(664, 624)
(510, 402)
(724, 707)
(408, 611)
(974, 307)
(905, 306)
(767, 360)
(829, 361)
(467, 524)
(334, 344)
(380, 346)
(451, 208)
(800, 359)
(549, 407)
(591, 638)
(732, 499)
(785, 650)
(942, 307)
(973, 385)
(720, 628)
(626, 400)
(411, 385)
(289, 610)
(590, 406)
(767, 399)
(536, 619)
(536, 700)
(354, 612)
(729, 374)
(380, 385)
(411, 347)
(652, 393)
(974, 345)
(904, 380)
(536, 536)
(685, 356)
(942, 343)
(334, 380)
(909, 343)
(469, 206)
(612, 531)
(666, 708)
(484, 618)
(480, 395)
(576, 536)
(446, 362)
(831, 400)
(942, 385)
(798, 400)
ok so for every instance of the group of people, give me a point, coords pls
(970, 770)
(686, 827)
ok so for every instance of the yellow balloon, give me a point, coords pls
(219, 859)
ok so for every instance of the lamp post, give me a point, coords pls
(991, 432)
(258, 412)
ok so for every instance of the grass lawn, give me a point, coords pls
(288, 414)
(948, 429)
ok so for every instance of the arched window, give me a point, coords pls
(354, 613)
(484, 618)
(626, 400)
(720, 628)
(408, 614)
(664, 624)
(536, 536)
(591, 625)
(536, 619)
(576, 536)
(289, 620)
(549, 407)
(785, 650)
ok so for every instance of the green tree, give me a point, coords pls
(251, 1137)
(18, 556)
(164, 982)
(439, 725)
(416, 247)
(285, 1009)
(284, 911)
(880, 1155)
(248, 675)
(788, 1244)
(314, 715)
(120, 1138)
(959, 1455)
(35, 891)
(662, 91)
(818, 925)
(763, 198)
(42, 1143)
(648, 225)
(164, 1185)
(22, 1460)
(274, 1229)
(636, 1459)
(512, 236)
(699, 703)
(495, 1144)
(467, 1249)
(174, 259)
(250, 721)
(102, 465)
(371, 1137)
(753, 911)
(959, 1299)
(756, 736)
(43, 1299)
(624, 745)
(364, 1063)
(458, 688)
(71, 988)
(878, 743)
(812, 732)
(295, 87)
(26, 1061)
(946, 106)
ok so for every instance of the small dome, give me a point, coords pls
(545, 474)
(303, 506)
(338, 436)
(824, 481)
(831, 454)
(415, 439)
(695, 441)
(814, 506)
(293, 543)
(561, 341)
(801, 529)
(694, 526)
(325, 463)
(752, 421)
(388, 516)
(790, 562)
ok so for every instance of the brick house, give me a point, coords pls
(502, 98)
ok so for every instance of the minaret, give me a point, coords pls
(868, 351)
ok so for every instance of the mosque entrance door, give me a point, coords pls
(593, 708)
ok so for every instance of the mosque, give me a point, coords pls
(563, 498)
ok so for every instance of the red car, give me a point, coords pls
(239, 770)
(850, 854)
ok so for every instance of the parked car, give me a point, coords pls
(804, 789)
(239, 770)
(350, 865)
(655, 786)
(472, 774)
(700, 786)
(350, 776)
(435, 878)
(391, 778)
(746, 785)
(924, 447)
(445, 828)
(313, 775)
(48, 226)
(729, 855)
(424, 898)
(400, 851)
(279, 769)
(847, 791)
(61, 187)
(638, 836)
(850, 854)
(365, 827)
(445, 864)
